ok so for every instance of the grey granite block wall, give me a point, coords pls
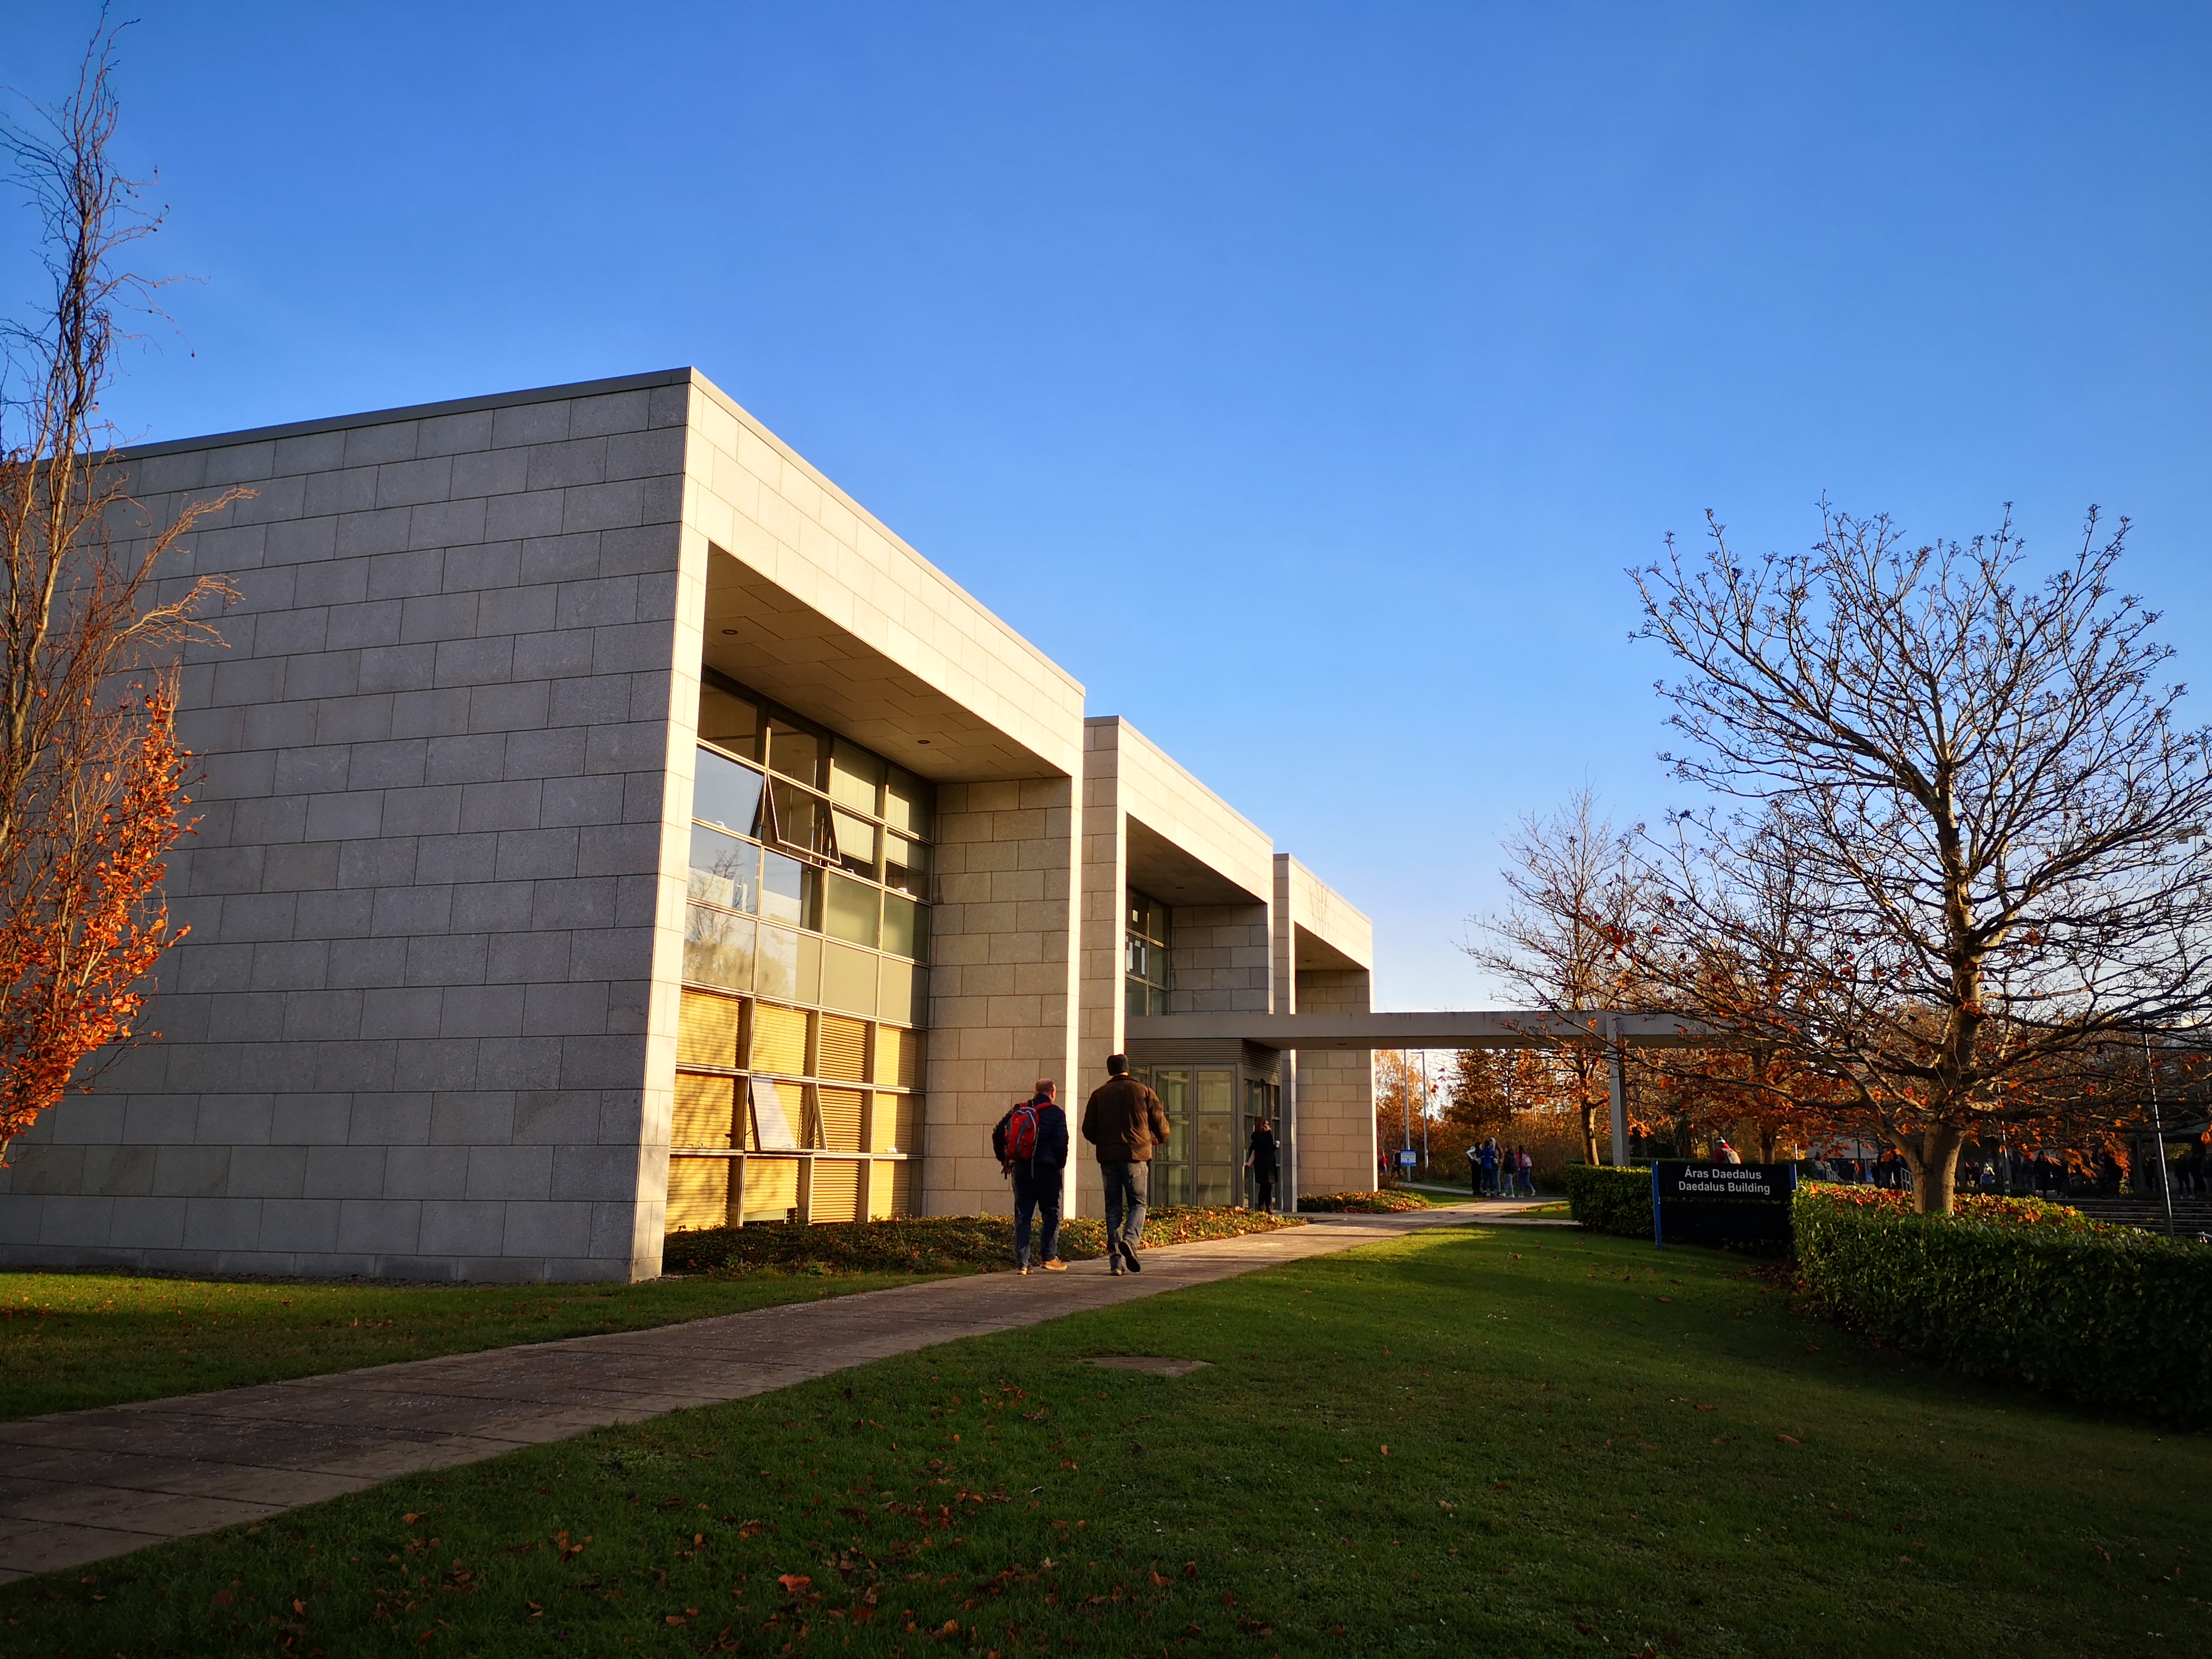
(408, 1034)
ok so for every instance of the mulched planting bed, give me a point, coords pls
(1392, 1202)
(930, 1244)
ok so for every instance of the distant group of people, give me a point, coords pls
(2192, 1171)
(1496, 1171)
(1889, 1171)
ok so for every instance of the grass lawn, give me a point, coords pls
(1470, 1442)
(71, 1340)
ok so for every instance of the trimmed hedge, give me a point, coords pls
(1609, 1199)
(2102, 1315)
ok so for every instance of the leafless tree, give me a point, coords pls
(1567, 942)
(1975, 800)
(92, 782)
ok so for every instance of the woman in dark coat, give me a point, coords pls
(1261, 1157)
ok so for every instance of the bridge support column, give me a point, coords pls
(1617, 1076)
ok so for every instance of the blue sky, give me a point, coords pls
(1302, 377)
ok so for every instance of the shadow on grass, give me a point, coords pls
(1468, 1441)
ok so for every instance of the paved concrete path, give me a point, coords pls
(80, 1486)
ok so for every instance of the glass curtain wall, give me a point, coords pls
(799, 1049)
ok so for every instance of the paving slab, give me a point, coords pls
(87, 1485)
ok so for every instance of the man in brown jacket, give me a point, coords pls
(1124, 1121)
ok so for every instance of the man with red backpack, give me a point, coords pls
(1031, 1144)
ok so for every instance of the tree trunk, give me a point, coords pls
(1590, 1129)
(1934, 1162)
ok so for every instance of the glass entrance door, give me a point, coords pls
(1171, 1162)
(1210, 1110)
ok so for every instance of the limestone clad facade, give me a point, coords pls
(463, 997)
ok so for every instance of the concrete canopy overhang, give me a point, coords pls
(1159, 868)
(1310, 952)
(1498, 1029)
(765, 637)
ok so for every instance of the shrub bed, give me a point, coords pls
(2013, 1289)
(1391, 1202)
(926, 1244)
(1609, 1199)
(1975, 1207)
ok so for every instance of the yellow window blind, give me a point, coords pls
(778, 1039)
(844, 1048)
(704, 1110)
(771, 1188)
(906, 1121)
(841, 1118)
(881, 1175)
(836, 1189)
(883, 1124)
(898, 1057)
(698, 1192)
(706, 1029)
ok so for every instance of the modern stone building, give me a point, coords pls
(610, 826)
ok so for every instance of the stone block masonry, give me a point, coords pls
(407, 1035)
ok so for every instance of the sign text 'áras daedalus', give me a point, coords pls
(1721, 1203)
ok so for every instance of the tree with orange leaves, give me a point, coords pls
(92, 781)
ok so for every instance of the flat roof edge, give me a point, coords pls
(411, 412)
(1201, 784)
(738, 412)
(1316, 876)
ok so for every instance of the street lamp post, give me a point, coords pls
(2158, 1127)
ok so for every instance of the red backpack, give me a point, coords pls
(1020, 1142)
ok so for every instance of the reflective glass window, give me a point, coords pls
(801, 820)
(726, 793)
(725, 870)
(729, 722)
(775, 1129)
(848, 980)
(856, 842)
(908, 804)
(797, 753)
(787, 890)
(906, 866)
(905, 928)
(718, 949)
(1144, 956)
(778, 964)
(896, 995)
(849, 910)
(1172, 1163)
(856, 778)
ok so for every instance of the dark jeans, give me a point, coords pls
(1126, 1185)
(1263, 1188)
(1035, 1194)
